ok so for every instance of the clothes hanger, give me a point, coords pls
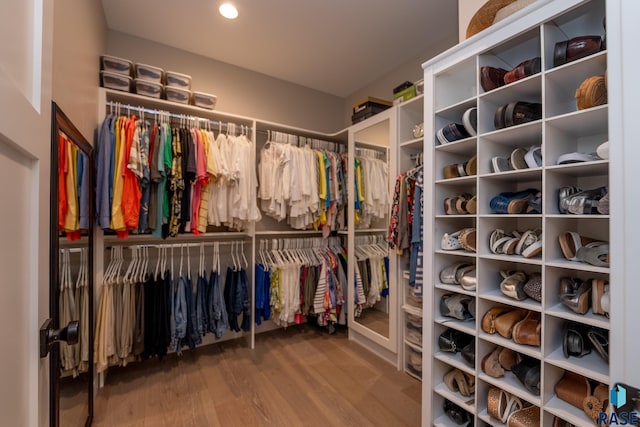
(188, 262)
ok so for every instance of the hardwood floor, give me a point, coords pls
(294, 377)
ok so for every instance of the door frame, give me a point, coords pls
(60, 122)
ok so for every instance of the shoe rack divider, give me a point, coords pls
(452, 85)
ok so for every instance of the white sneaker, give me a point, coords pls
(603, 150)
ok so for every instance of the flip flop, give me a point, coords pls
(517, 159)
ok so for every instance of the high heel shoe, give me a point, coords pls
(576, 294)
(575, 341)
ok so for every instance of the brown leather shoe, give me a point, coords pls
(576, 48)
(524, 69)
(488, 320)
(527, 331)
(490, 364)
(491, 78)
(504, 323)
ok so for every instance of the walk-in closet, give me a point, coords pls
(319, 213)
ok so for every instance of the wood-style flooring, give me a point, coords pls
(295, 377)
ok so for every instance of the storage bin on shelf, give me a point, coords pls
(204, 100)
(116, 81)
(179, 80)
(149, 73)
(147, 88)
(175, 94)
(113, 64)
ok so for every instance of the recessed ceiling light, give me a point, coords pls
(228, 10)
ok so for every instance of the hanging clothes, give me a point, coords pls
(303, 186)
(161, 179)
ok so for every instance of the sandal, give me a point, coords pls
(594, 253)
(500, 164)
(517, 159)
(467, 239)
(525, 417)
(574, 342)
(513, 284)
(534, 157)
(535, 204)
(501, 404)
(528, 330)
(564, 194)
(511, 202)
(600, 299)
(600, 342)
(603, 205)
(594, 405)
(585, 202)
(460, 382)
(502, 243)
(530, 244)
(472, 205)
(456, 306)
(572, 243)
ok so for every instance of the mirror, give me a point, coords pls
(372, 140)
(71, 272)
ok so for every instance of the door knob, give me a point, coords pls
(48, 335)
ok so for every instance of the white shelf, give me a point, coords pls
(453, 76)
(460, 400)
(511, 384)
(455, 360)
(577, 265)
(466, 327)
(455, 288)
(413, 144)
(497, 296)
(591, 365)
(503, 342)
(562, 312)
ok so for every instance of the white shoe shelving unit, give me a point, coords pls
(452, 85)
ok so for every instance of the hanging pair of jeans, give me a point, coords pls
(216, 307)
(201, 306)
(263, 305)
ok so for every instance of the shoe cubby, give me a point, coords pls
(562, 82)
(467, 326)
(453, 358)
(444, 372)
(562, 129)
(456, 84)
(490, 370)
(490, 279)
(557, 309)
(556, 406)
(590, 365)
(457, 415)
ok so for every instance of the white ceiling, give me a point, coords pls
(334, 46)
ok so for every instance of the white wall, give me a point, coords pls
(79, 38)
(239, 91)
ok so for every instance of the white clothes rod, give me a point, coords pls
(117, 107)
(180, 245)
